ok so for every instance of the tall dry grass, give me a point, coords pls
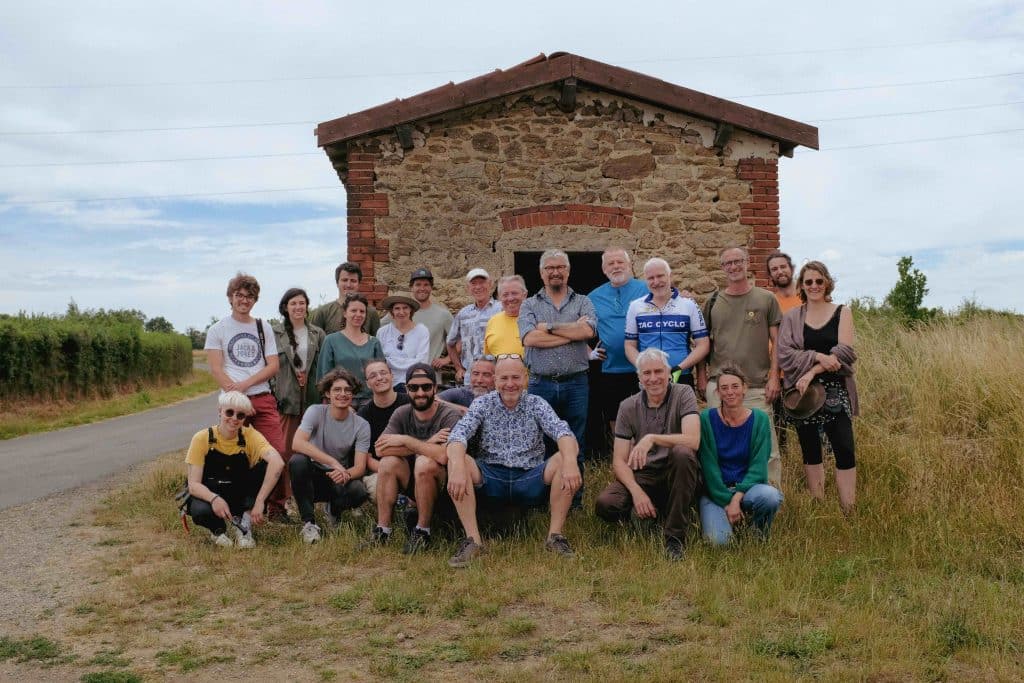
(924, 582)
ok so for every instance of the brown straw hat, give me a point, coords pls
(400, 298)
(802, 407)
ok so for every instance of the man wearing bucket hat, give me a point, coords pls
(470, 323)
(404, 341)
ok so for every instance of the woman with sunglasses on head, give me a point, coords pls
(351, 346)
(298, 345)
(815, 347)
(231, 471)
(405, 342)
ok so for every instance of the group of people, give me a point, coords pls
(339, 405)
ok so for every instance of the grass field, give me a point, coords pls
(924, 582)
(20, 418)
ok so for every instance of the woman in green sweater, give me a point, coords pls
(734, 446)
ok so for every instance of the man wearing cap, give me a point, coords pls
(470, 324)
(331, 316)
(434, 316)
(502, 333)
(555, 325)
(611, 300)
(413, 446)
(403, 341)
(481, 381)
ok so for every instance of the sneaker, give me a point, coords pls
(310, 533)
(243, 536)
(418, 540)
(222, 539)
(467, 552)
(377, 537)
(557, 543)
(674, 548)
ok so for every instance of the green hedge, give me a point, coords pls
(72, 357)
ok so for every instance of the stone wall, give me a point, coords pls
(517, 173)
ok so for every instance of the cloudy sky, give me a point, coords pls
(920, 109)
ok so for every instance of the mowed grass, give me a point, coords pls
(924, 582)
(20, 418)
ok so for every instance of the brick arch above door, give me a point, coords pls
(567, 214)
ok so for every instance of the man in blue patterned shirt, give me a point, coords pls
(509, 464)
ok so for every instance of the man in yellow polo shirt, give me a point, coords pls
(502, 333)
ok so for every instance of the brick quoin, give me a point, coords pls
(761, 213)
(364, 205)
(566, 214)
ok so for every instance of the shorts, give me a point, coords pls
(513, 484)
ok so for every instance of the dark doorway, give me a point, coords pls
(584, 272)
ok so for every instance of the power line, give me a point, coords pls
(156, 130)
(919, 111)
(403, 74)
(911, 142)
(159, 161)
(167, 196)
(883, 85)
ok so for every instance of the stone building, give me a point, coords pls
(559, 151)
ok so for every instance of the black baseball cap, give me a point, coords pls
(421, 274)
(421, 370)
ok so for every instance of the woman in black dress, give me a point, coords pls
(816, 346)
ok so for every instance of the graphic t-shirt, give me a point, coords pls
(240, 344)
(670, 328)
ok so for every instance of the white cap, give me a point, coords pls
(477, 272)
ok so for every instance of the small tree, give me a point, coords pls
(198, 338)
(907, 294)
(159, 324)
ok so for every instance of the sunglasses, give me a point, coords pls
(415, 388)
(814, 281)
(231, 412)
(401, 342)
(503, 356)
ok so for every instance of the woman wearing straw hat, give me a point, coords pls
(816, 355)
(404, 341)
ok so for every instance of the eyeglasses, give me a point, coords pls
(552, 269)
(237, 414)
(503, 356)
(378, 375)
(415, 388)
(401, 342)
(814, 281)
(734, 262)
(244, 296)
(342, 391)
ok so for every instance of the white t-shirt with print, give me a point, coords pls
(240, 344)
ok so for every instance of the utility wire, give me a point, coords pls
(157, 130)
(919, 111)
(873, 87)
(911, 142)
(400, 74)
(159, 161)
(187, 195)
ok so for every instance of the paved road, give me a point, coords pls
(40, 464)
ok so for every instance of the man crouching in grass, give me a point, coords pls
(331, 446)
(510, 465)
(231, 471)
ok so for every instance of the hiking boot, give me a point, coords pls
(377, 537)
(557, 543)
(222, 539)
(418, 540)
(467, 552)
(310, 533)
(674, 548)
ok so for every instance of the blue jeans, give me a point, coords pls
(759, 505)
(569, 398)
(513, 484)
